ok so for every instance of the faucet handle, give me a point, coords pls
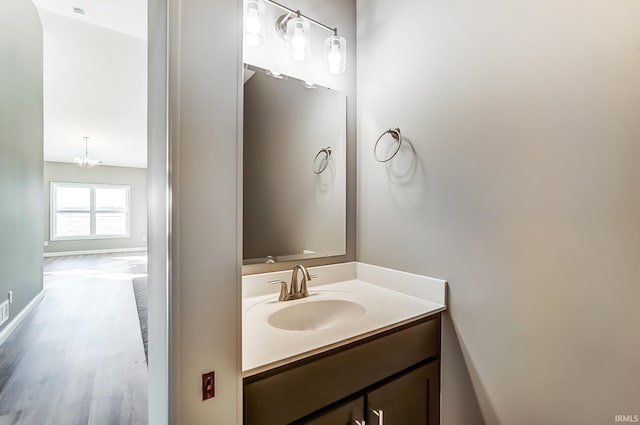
(313, 276)
(284, 295)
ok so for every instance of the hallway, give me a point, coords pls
(78, 357)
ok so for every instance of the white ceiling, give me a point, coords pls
(125, 16)
(95, 80)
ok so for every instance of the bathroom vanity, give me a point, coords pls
(353, 352)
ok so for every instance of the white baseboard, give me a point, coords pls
(93, 251)
(13, 324)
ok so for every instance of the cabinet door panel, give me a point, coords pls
(347, 414)
(412, 399)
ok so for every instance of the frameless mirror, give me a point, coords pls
(294, 170)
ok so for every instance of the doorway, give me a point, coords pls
(86, 304)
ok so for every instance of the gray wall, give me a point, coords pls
(134, 177)
(21, 138)
(206, 251)
(525, 119)
(287, 207)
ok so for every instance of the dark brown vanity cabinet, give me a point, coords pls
(351, 413)
(392, 378)
(411, 399)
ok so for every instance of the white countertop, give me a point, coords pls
(266, 347)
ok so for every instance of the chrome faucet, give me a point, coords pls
(293, 292)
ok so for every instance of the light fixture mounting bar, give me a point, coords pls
(297, 12)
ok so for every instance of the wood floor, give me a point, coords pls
(78, 357)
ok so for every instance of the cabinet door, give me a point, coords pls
(411, 399)
(347, 414)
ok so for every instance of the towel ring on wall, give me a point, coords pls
(395, 133)
(324, 155)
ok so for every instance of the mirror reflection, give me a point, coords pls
(294, 169)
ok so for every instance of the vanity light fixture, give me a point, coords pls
(86, 162)
(253, 22)
(294, 28)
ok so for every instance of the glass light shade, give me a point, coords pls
(253, 22)
(298, 39)
(336, 53)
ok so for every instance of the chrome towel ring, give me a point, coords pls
(395, 133)
(321, 161)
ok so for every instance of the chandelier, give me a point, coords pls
(86, 162)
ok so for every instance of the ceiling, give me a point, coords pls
(126, 16)
(95, 80)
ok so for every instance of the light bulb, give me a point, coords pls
(253, 24)
(334, 57)
(298, 42)
(335, 61)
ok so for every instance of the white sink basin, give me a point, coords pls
(315, 315)
(278, 332)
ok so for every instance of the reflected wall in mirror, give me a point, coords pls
(294, 168)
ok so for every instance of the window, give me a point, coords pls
(89, 211)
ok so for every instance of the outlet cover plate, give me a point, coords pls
(208, 385)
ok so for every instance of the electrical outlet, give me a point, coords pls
(46, 243)
(208, 386)
(10, 297)
(144, 239)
